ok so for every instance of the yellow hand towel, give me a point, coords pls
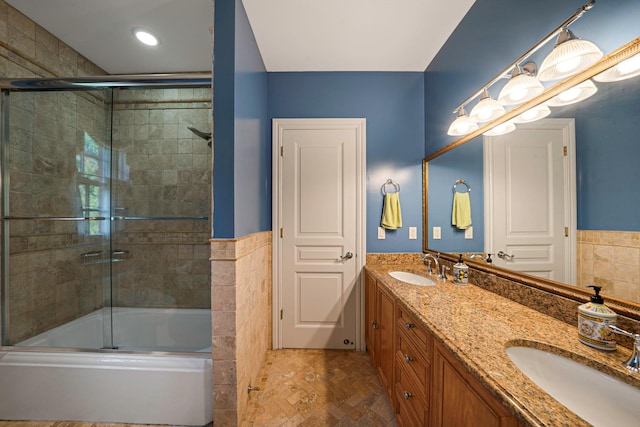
(391, 215)
(461, 212)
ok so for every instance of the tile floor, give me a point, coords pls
(301, 388)
(318, 388)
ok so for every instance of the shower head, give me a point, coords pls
(204, 135)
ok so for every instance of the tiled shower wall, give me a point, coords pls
(50, 285)
(610, 259)
(241, 313)
(164, 171)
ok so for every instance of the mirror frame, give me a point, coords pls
(623, 307)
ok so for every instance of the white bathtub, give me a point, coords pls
(158, 388)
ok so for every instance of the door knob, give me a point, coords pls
(348, 255)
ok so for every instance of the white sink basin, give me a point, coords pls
(412, 278)
(597, 398)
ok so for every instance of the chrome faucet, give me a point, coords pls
(633, 364)
(480, 255)
(435, 259)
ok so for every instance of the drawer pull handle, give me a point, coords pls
(374, 325)
(409, 325)
(408, 358)
(407, 394)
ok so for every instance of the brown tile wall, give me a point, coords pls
(610, 259)
(241, 313)
(166, 172)
(49, 283)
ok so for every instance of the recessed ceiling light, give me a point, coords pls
(145, 36)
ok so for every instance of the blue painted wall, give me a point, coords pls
(393, 106)
(242, 145)
(493, 34)
(461, 163)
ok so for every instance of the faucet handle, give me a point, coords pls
(633, 363)
(443, 271)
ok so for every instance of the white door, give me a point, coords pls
(530, 213)
(319, 219)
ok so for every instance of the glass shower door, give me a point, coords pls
(56, 163)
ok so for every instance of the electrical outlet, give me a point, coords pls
(437, 233)
(413, 233)
(381, 233)
(468, 233)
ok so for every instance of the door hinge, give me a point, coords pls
(281, 314)
(281, 233)
(566, 232)
(281, 151)
(564, 150)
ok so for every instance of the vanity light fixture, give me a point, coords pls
(522, 85)
(575, 94)
(501, 129)
(531, 115)
(145, 37)
(513, 93)
(569, 56)
(624, 70)
(486, 109)
(462, 125)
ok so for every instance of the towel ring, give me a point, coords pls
(463, 182)
(383, 189)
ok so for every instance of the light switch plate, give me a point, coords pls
(468, 233)
(413, 233)
(381, 233)
(437, 234)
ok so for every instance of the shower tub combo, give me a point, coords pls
(105, 256)
(114, 386)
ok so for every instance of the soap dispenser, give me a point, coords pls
(460, 272)
(593, 318)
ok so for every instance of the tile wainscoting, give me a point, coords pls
(241, 317)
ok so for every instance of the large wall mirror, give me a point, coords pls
(600, 196)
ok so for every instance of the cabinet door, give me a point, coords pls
(385, 312)
(370, 321)
(459, 400)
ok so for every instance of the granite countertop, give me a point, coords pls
(477, 326)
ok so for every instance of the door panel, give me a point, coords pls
(527, 203)
(318, 219)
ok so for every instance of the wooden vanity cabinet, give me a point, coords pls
(426, 384)
(379, 318)
(460, 400)
(413, 353)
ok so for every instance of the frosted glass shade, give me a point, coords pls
(519, 89)
(570, 56)
(462, 125)
(486, 109)
(501, 129)
(531, 115)
(575, 94)
(622, 71)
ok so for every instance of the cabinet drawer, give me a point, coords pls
(410, 399)
(415, 332)
(413, 360)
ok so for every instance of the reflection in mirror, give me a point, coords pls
(608, 198)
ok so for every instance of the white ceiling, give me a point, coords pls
(352, 35)
(292, 35)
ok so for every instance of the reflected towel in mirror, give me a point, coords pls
(461, 212)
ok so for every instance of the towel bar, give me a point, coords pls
(462, 181)
(383, 189)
